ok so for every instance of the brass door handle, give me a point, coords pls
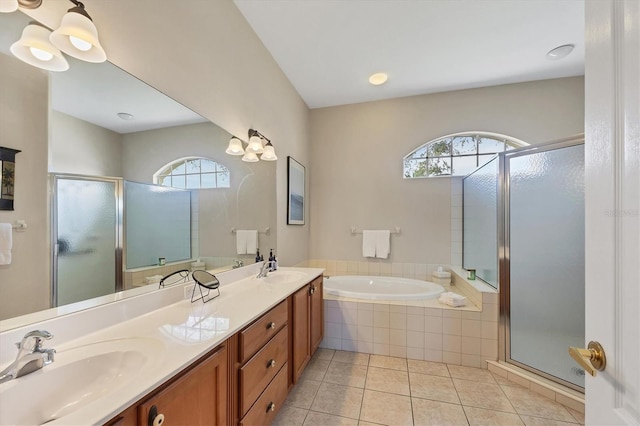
(591, 359)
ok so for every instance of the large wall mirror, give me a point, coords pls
(92, 140)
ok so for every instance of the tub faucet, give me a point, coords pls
(266, 268)
(237, 263)
(31, 356)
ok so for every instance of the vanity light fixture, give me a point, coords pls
(35, 49)
(255, 147)
(77, 36)
(560, 52)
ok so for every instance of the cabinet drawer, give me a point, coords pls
(266, 407)
(259, 370)
(257, 334)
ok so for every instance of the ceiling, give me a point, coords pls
(329, 48)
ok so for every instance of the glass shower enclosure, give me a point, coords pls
(523, 231)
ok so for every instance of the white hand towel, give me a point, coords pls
(369, 243)
(6, 242)
(252, 241)
(241, 242)
(382, 243)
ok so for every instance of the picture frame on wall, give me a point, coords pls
(7, 177)
(295, 192)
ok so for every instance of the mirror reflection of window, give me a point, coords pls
(193, 173)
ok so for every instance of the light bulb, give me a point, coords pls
(79, 43)
(40, 54)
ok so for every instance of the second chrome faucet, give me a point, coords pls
(31, 356)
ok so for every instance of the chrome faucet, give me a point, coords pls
(237, 263)
(267, 267)
(31, 356)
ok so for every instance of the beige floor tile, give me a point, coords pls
(481, 416)
(504, 381)
(436, 388)
(351, 357)
(385, 380)
(529, 403)
(427, 412)
(471, 373)
(302, 394)
(322, 419)
(315, 370)
(343, 373)
(363, 423)
(324, 353)
(576, 415)
(390, 362)
(428, 367)
(482, 395)
(290, 416)
(539, 421)
(344, 401)
(386, 408)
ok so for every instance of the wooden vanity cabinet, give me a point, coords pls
(307, 326)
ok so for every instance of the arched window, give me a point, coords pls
(456, 155)
(193, 173)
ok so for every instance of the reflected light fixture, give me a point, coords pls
(35, 49)
(125, 116)
(77, 36)
(8, 6)
(255, 147)
(560, 52)
(378, 78)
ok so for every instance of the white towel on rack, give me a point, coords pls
(6, 242)
(246, 241)
(383, 246)
(369, 243)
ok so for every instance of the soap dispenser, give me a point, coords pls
(258, 255)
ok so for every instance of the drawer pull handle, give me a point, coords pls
(271, 407)
(271, 363)
(271, 325)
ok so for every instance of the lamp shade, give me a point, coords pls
(269, 153)
(250, 157)
(235, 147)
(77, 36)
(35, 49)
(255, 145)
(8, 6)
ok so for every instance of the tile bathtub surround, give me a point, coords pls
(415, 393)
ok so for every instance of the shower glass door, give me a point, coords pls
(86, 228)
(545, 259)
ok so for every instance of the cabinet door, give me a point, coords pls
(317, 314)
(198, 397)
(300, 327)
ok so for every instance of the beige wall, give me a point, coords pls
(24, 284)
(80, 147)
(206, 56)
(357, 153)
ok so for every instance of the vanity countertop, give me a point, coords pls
(172, 336)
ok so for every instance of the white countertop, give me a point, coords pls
(173, 337)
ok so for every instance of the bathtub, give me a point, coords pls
(381, 288)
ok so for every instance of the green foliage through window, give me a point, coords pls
(194, 173)
(456, 155)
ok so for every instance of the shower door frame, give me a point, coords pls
(119, 226)
(504, 267)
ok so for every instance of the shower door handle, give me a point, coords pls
(591, 359)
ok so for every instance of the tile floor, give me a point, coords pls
(351, 388)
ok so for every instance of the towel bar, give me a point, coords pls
(266, 231)
(353, 230)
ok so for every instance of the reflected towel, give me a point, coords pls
(383, 246)
(6, 242)
(246, 241)
(369, 243)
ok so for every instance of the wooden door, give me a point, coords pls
(317, 314)
(197, 397)
(300, 326)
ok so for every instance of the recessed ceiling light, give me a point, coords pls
(125, 116)
(378, 78)
(560, 51)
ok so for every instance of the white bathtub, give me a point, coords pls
(381, 288)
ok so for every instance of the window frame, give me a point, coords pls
(172, 164)
(507, 140)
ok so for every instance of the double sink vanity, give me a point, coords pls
(158, 357)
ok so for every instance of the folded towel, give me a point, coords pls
(6, 242)
(382, 243)
(369, 239)
(246, 241)
(452, 299)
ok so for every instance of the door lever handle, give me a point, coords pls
(591, 359)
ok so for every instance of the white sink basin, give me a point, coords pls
(78, 376)
(283, 277)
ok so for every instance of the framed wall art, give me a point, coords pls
(295, 192)
(8, 177)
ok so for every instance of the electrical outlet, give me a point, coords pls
(188, 291)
